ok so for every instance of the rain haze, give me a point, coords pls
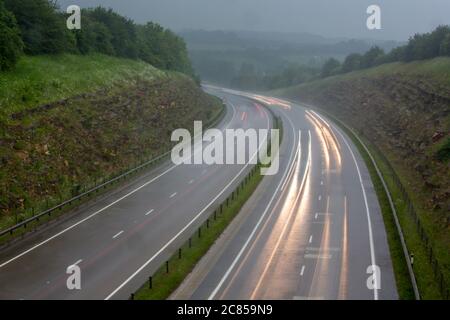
(328, 18)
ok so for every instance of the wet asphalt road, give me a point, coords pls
(308, 232)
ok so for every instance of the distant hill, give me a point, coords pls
(218, 56)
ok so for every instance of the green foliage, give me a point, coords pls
(42, 26)
(443, 153)
(39, 80)
(372, 57)
(162, 48)
(44, 31)
(94, 37)
(123, 32)
(445, 46)
(419, 47)
(331, 67)
(352, 63)
(10, 41)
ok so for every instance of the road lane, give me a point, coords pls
(147, 213)
(319, 238)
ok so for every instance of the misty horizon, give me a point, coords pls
(345, 19)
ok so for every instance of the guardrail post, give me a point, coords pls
(190, 242)
(167, 266)
(179, 253)
(207, 223)
(200, 232)
(150, 282)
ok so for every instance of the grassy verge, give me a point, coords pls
(163, 282)
(128, 173)
(114, 115)
(423, 268)
(40, 80)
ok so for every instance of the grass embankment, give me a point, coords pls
(104, 116)
(404, 110)
(45, 79)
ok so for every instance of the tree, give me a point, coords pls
(372, 57)
(42, 27)
(331, 67)
(122, 30)
(10, 41)
(94, 37)
(444, 49)
(352, 63)
(162, 48)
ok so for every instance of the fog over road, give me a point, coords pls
(311, 231)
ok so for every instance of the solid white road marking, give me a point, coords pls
(191, 222)
(302, 271)
(173, 195)
(104, 208)
(149, 212)
(369, 222)
(247, 242)
(118, 234)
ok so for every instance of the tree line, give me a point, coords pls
(419, 47)
(250, 78)
(35, 27)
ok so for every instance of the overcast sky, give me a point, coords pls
(329, 18)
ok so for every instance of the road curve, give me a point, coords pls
(121, 239)
(314, 231)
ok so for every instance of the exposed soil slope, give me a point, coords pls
(52, 150)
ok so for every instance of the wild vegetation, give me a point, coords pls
(403, 109)
(42, 29)
(10, 41)
(72, 136)
(419, 47)
(80, 105)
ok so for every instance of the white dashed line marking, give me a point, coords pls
(317, 256)
(118, 234)
(149, 212)
(173, 195)
(310, 239)
(320, 198)
(316, 216)
(302, 271)
(192, 181)
(321, 183)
